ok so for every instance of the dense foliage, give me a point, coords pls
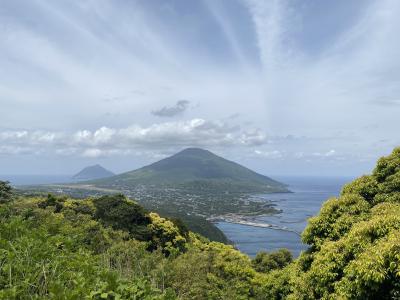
(111, 248)
(354, 246)
(5, 192)
(265, 262)
(354, 243)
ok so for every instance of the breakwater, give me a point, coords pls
(242, 220)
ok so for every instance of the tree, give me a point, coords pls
(265, 262)
(6, 192)
(121, 213)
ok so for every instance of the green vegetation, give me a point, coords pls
(62, 248)
(265, 262)
(109, 247)
(355, 241)
(197, 224)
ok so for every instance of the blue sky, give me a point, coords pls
(284, 87)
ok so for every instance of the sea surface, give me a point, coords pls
(35, 179)
(308, 194)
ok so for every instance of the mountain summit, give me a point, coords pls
(196, 168)
(93, 172)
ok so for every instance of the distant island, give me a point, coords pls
(93, 172)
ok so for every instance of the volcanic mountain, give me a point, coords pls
(195, 168)
(93, 172)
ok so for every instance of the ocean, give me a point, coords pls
(308, 194)
(35, 179)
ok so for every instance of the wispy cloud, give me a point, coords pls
(270, 22)
(356, 66)
(226, 25)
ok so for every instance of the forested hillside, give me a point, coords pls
(111, 248)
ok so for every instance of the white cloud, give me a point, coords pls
(92, 152)
(107, 141)
(30, 137)
(14, 150)
(13, 134)
(268, 20)
(253, 137)
(66, 151)
(330, 153)
(324, 154)
(274, 154)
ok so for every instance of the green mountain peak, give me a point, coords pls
(193, 166)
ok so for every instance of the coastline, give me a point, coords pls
(248, 221)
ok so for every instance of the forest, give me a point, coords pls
(110, 247)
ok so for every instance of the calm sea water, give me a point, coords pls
(308, 195)
(35, 179)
